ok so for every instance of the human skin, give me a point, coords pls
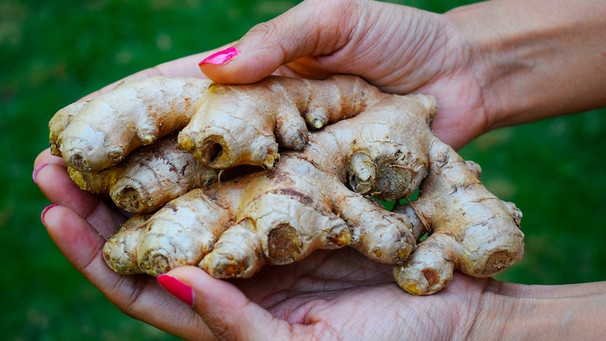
(490, 64)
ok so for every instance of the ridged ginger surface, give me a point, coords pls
(204, 205)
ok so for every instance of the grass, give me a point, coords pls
(52, 53)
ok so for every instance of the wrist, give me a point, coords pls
(516, 311)
(533, 60)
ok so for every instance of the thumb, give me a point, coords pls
(312, 28)
(226, 311)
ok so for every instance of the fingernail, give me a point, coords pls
(45, 210)
(179, 289)
(220, 58)
(36, 170)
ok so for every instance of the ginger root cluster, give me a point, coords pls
(233, 177)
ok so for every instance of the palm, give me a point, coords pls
(354, 295)
(323, 274)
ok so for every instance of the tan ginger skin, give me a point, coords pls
(99, 133)
(175, 172)
(317, 196)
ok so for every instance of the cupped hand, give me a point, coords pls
(330, 294)
(79, 223)
(397, 48)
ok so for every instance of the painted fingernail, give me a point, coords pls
(45, 210)
(220, 58)
(37, 170)
(179, 289)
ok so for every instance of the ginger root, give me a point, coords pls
(150, 177)
(99, 133)
(238, 125)
(317, 195)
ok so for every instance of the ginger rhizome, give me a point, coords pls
(148, 178)
(245, 124)
(99, 133)
(315, 193)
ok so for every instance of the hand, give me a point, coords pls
(79, 223)
(329, 294)
(489, 64)
(397, 48)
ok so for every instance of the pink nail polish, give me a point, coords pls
(36, 170)
(45, 210)
(220, 58)
(179, 289)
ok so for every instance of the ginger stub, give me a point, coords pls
(129, 184)
(310, 190)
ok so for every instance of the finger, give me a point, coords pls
(229, 314)
(224, 308)
(53, 180)
(82, 246)
(310, 29)
(45, 157)
(138, 296)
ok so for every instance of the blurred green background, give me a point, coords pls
(52, 53)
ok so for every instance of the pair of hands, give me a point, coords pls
(330, 294)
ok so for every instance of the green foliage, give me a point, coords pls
(54, 52)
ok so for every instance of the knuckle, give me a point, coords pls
(264, 31)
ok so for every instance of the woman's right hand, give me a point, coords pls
(489, 64)
(397, 48)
